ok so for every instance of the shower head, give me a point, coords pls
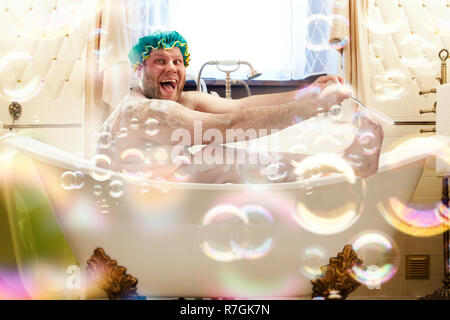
(253, 74)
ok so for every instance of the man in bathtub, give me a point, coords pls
(159, 118)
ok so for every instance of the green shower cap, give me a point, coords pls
(160, 39)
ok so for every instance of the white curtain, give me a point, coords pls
(272, 35)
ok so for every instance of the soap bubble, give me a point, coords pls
(276, 172)
(183, 171)
(67, 180)
(380, 256)
(103, 166)
(336, 112)
(221, 225)
(72, 180)
(22, 92)
(97, 190)
(79, 180)
(417, 52)
(241, 225)
(95, 36)
(25, 92)
(419, 216)
(233, 232)
(353, 160)
(319, 25)
(133, 166)
(116, 189)
(374, 21)
(151, 127)
(344, 206)
(104, 140)
(312, 259)
(368, 143)
(341, 23)
(258, 241)
(123, 133)
(161, 156)
(259, 168)
(134, 123)
(392, 85)
(416, 219)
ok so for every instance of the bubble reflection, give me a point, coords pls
(341, 210)
(418, 217)
(312, 259)
(375, 22)
(418, 52)
(319, 26)
(103, 166)
(116, 189)
(151, 127)
(234, 233)
(22, 92)
(133, 165)
(380, 255)
(392, 85)
(104, 140)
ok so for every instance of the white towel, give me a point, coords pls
(443, 126)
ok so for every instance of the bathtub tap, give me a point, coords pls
(252, 75)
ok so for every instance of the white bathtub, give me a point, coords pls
(161, 236)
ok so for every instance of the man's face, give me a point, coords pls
(163, 74)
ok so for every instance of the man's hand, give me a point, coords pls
(325, 92)
(324, 80)
(364, 153)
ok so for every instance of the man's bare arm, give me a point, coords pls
(205, 102)
(173, 116)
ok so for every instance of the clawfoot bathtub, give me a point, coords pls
(209, 240)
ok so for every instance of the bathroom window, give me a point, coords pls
(281, 39)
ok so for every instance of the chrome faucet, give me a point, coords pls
(252, 75)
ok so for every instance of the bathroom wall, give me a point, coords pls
(43, 54)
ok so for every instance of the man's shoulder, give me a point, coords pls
(195, 99)
(187, 96)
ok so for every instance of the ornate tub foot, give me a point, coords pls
(110, 277)
(336, 282)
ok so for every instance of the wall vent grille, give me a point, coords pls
(417, 267)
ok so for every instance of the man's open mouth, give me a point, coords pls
(169, 85)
